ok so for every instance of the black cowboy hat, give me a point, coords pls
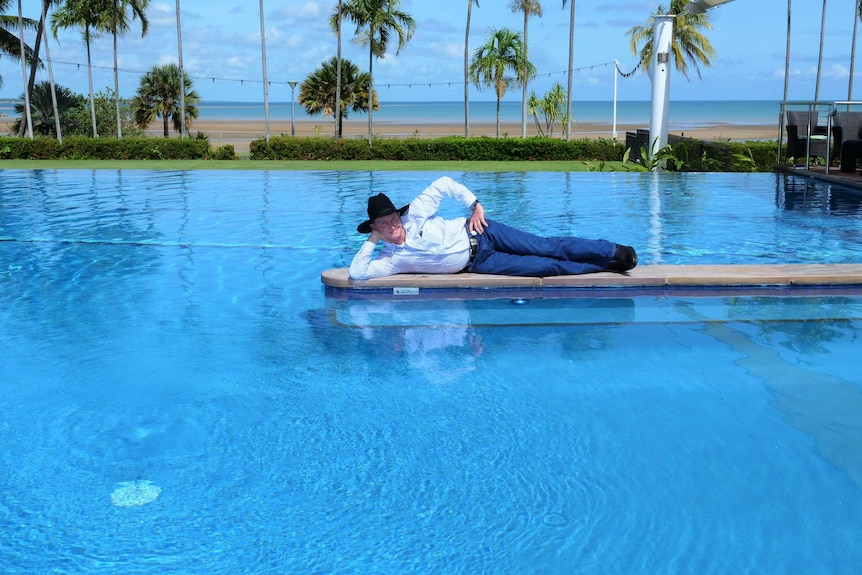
(378, 207)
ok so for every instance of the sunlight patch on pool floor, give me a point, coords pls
(135, 493)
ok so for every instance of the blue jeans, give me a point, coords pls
(505, 250)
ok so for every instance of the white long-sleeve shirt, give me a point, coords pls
(432, 245)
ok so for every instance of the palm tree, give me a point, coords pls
(551, 108)
(10, 43)
(35, 62)
(159, 96)
(571, 68)
(86, 15)
(117, 23)
(376, 21)
(503, 51)
(467, 68)
(317, 93)
(820, 56)
(529, 8)
(688, 44)
(48, 105)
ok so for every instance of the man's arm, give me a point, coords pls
(429, 200)
(363, 268)
(477, 223)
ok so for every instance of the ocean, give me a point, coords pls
(682, 114)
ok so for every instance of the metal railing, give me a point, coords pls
(812, 106)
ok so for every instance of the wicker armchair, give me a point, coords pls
(846, 126)
(797, 135)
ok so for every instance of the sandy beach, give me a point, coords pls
(240, 133)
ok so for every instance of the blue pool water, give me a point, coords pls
(178, 396)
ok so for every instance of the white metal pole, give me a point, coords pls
(660, 75)
(292, 84)
(616, 76)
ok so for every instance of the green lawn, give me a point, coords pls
(358, 166)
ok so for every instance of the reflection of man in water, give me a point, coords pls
(438, 344)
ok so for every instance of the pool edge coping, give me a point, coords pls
(657, 279)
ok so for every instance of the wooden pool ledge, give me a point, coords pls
(649, 278)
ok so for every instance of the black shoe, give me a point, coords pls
(625, 258)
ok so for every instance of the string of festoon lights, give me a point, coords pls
(627, 74)
(378, 84)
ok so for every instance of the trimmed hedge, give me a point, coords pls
(82, 148)
(686, 154)
(452, 148)
(692, 154)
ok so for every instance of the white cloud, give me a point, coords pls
(294, 41)
(304, 12)
(160, 14)
(837, 71)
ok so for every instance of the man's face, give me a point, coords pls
(390, 228)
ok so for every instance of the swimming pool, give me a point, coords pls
(180, 397)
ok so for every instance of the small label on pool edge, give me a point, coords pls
(405, 291)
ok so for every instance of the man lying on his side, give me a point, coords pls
(416, 240)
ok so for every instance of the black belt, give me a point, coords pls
(474, 248)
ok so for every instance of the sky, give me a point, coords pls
(221, 42)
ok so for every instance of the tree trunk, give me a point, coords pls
(90, 78)
(857, 14)
(51, 74)
(265, 80)
(117, 89)
(34, 62)
(182, 76)
(787, 53)
(820, 56)
(27, 114)
(337, 113)
(498, 117)
(370, 89)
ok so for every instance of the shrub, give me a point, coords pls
(448, 148)
(82, 148)
(692, 155)
(226, 152)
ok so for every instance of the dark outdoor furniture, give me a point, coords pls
(637, 141)
(846, 126)
(799, 126)
(851, 152)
